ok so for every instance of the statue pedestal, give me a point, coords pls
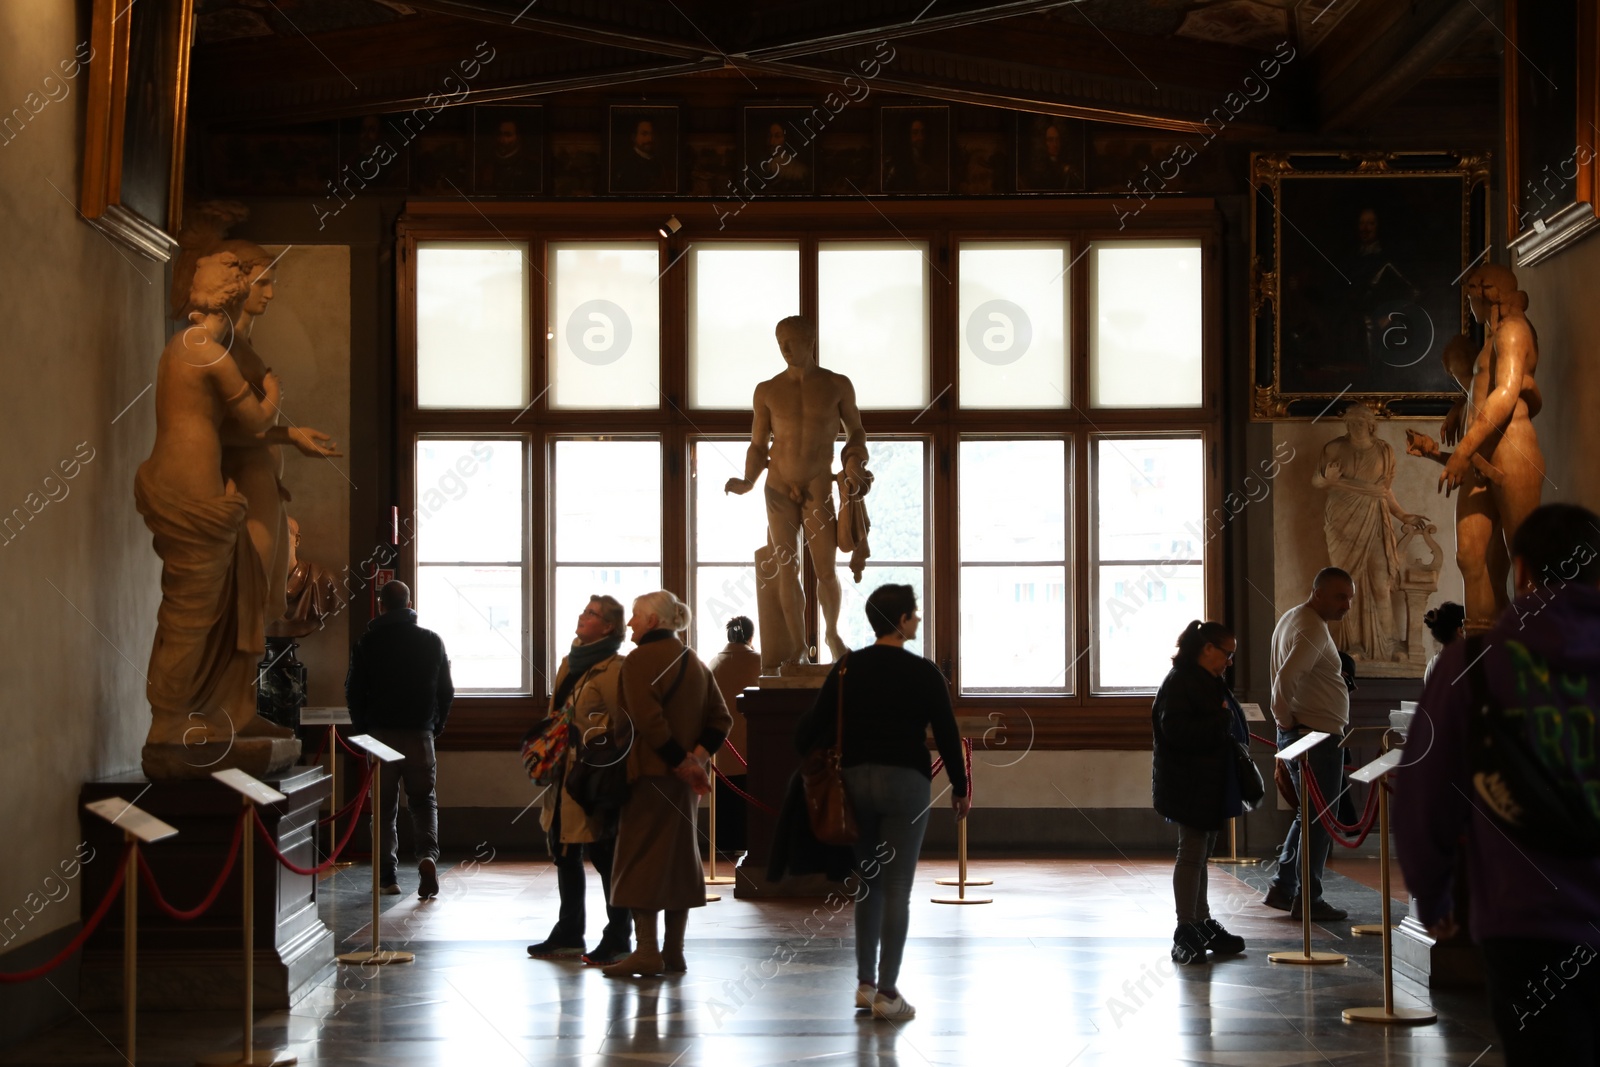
(198, 964)
(1452, 964)
(771, 709)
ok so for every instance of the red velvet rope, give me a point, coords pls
(746, 797)
(729, 746)
(351, 749)
(938, 764)
(327, 864)
(83, 935)
(1333, 826)
(149, 879)
(355, 803)
(322, 748)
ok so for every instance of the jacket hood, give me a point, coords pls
(1563, 622)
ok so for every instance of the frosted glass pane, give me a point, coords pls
(604, 339)
(608, 502)
(472, 324)
(1145, 330)
(873, 300)
(478, 613)
(1013, 324)
(469, 502)
(720, 593)
(737, 294)
(727, 528)
(853, 625)
(1014, 629)
(1013, 501)
(574, 587)
(894, 504)
(1141, 612)
(1150, 496)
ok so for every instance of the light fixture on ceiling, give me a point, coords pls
(670, 227)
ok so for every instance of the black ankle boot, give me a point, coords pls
(1218, 939)
(1189, 943)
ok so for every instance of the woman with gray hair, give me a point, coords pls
(678, 719)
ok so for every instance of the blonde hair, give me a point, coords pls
(672, 613)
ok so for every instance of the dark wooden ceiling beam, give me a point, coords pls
(519, 14)
(970, 14)
(1382, 50)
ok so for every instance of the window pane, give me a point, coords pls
(1014, 629)
(737, 294)
(727, 528)
(573, 588)
(604, 324)
(720, 593)
(1145, 330)
(1013, 324)
(894, 503)
(1013, 501)
(1149, 496)
(472, 324)
(608, 502)
(478, 613)
(873, 298)
(853, 625)
(1141, 611)
(469, 501)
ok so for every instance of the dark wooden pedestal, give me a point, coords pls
(771, 713)
(199, 964)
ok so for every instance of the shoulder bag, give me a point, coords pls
(833, 821)
(598, 781)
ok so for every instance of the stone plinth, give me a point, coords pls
(199, 964)
(771, 709)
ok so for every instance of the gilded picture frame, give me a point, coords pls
(1356, 269)
(134, 123)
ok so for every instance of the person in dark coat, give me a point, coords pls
(1195, 721)
(399, 691)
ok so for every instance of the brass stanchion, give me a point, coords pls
(711, 816)
(1233, 856)
(137, 827)
(1388, 1013)
(251, 792)
(377, 754)
(961, 882)
(1299, 750)
(332, 718)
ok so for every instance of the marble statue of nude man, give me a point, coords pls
(798, 415)
(1497, 463)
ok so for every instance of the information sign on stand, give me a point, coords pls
(1298, 750)
(324, 716)
(138, 827)
(381, 753)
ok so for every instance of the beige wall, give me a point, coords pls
(80, 337)
(1564, 311)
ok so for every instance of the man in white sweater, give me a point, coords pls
(1308, 693)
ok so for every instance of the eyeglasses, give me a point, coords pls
(591, 613)
(1225, 651)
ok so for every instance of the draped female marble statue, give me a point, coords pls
(1357, 470)
(1497, 463)
(209, 629)
(798, 416)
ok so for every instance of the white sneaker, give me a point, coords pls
(895, 1007)
(865, 994)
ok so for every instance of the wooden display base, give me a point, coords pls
(720, 879)
(969, 881)
(1397, 1017)
(1367, 930)
(259, 1058)
(1307, 958)
(380, 957)
(962, 900)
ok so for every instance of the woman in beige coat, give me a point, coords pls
(678, 721)
(585, 690)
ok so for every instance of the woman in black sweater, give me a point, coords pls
(1195, 721)
(891, 697)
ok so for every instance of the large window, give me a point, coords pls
(1037, 399)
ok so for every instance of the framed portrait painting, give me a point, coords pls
(1050, 154)
(914, 143)
(134, 122)
(644, 149)
(779, 155)
(508, 149)
(1356, 279)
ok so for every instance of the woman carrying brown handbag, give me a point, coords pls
(678, 720)
(891, 698)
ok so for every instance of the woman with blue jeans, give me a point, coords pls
(891, 698)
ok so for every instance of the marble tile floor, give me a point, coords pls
(1068, 966)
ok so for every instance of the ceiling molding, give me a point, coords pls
(1366, 65)
(812, 42)
(643, 28)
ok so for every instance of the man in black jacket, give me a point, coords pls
(398, 690)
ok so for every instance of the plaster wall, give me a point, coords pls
(1562, 308)
(79, 339)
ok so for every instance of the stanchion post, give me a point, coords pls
(961, 870)
(332, 718)
(251, 792)
(1301, 750)
(138, 827)
(1233, 856)
(711, 824)
(1374, 772)
(378, 754)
